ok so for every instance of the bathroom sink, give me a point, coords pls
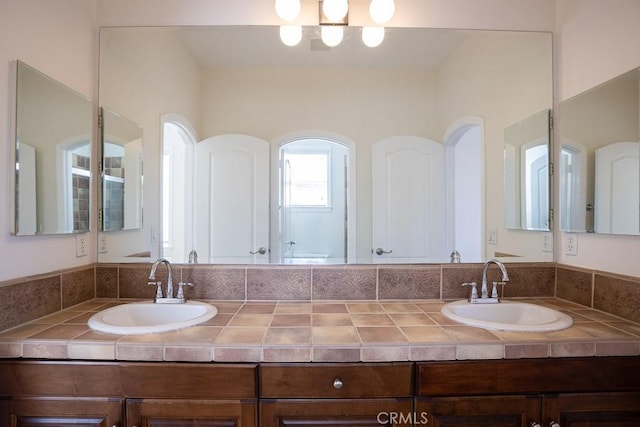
(147, 317)
(507, 316)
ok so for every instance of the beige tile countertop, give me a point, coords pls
(331, 331)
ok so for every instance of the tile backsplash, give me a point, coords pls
(22, 300)
(612, 293)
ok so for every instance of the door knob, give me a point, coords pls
(380, 251)
(261, 250)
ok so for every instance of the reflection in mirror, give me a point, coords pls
(240, 86)
(600, 158)
(121, 172)
(526, 173)
(314, 201)
(178, 146)
(53, 156)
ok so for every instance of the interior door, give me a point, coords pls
(534, 192)
(232, 199)
(617, 198)
(407, 199)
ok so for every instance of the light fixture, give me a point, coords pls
(333, 16)
(372, 36)
(335, 10)
(382, 11)
(288, 10)
(331, 35)
(291, 34)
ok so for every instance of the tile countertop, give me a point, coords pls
(332, 331)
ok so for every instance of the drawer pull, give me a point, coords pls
(338, 384)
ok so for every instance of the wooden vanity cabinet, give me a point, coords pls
(583, 392)
(60, 412)
(110, 394)
(357, 394)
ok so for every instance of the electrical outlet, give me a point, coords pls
(571, 244)
(547, 242)
(102, 243)
(81, 245)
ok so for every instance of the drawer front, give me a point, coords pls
(336, 380)
(520, 376)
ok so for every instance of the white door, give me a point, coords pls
(617, 198)
(232, 199)
(575, 215)
(534, 191)
(407, 199)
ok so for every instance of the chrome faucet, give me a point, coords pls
(484, 297)
(484, 293)
(152, 280)
(169, 298)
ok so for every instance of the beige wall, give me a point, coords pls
(59, 39)
(595, 42)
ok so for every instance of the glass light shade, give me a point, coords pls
(382, 11)
(288, 10)
(335, 10)
(331, 35)
(291, 34)
(372, 36)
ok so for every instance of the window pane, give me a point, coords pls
(309, 178)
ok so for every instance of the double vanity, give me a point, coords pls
(322, 362)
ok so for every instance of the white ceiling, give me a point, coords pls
(260, 45)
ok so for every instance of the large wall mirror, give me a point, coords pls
(256, 152)
(600, 158)
(53, 156)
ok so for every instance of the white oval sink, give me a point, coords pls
(147, 317)
(507, 316)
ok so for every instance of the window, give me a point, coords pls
(307, 175)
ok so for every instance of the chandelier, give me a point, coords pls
(333, 17)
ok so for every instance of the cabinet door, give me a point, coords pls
(593, 410)
(191, 413)
(62, 412)
(336, 412)
(485, 411)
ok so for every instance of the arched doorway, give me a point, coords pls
(178, 143)
(315, 194)
(464, 143)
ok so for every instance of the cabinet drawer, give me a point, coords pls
(336, 380)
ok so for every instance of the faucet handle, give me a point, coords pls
(181, 286)
(474, 291)
(159, 288)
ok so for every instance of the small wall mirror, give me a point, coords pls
(52, 156)
(600, 158)
(121, 172)
(526, 173)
